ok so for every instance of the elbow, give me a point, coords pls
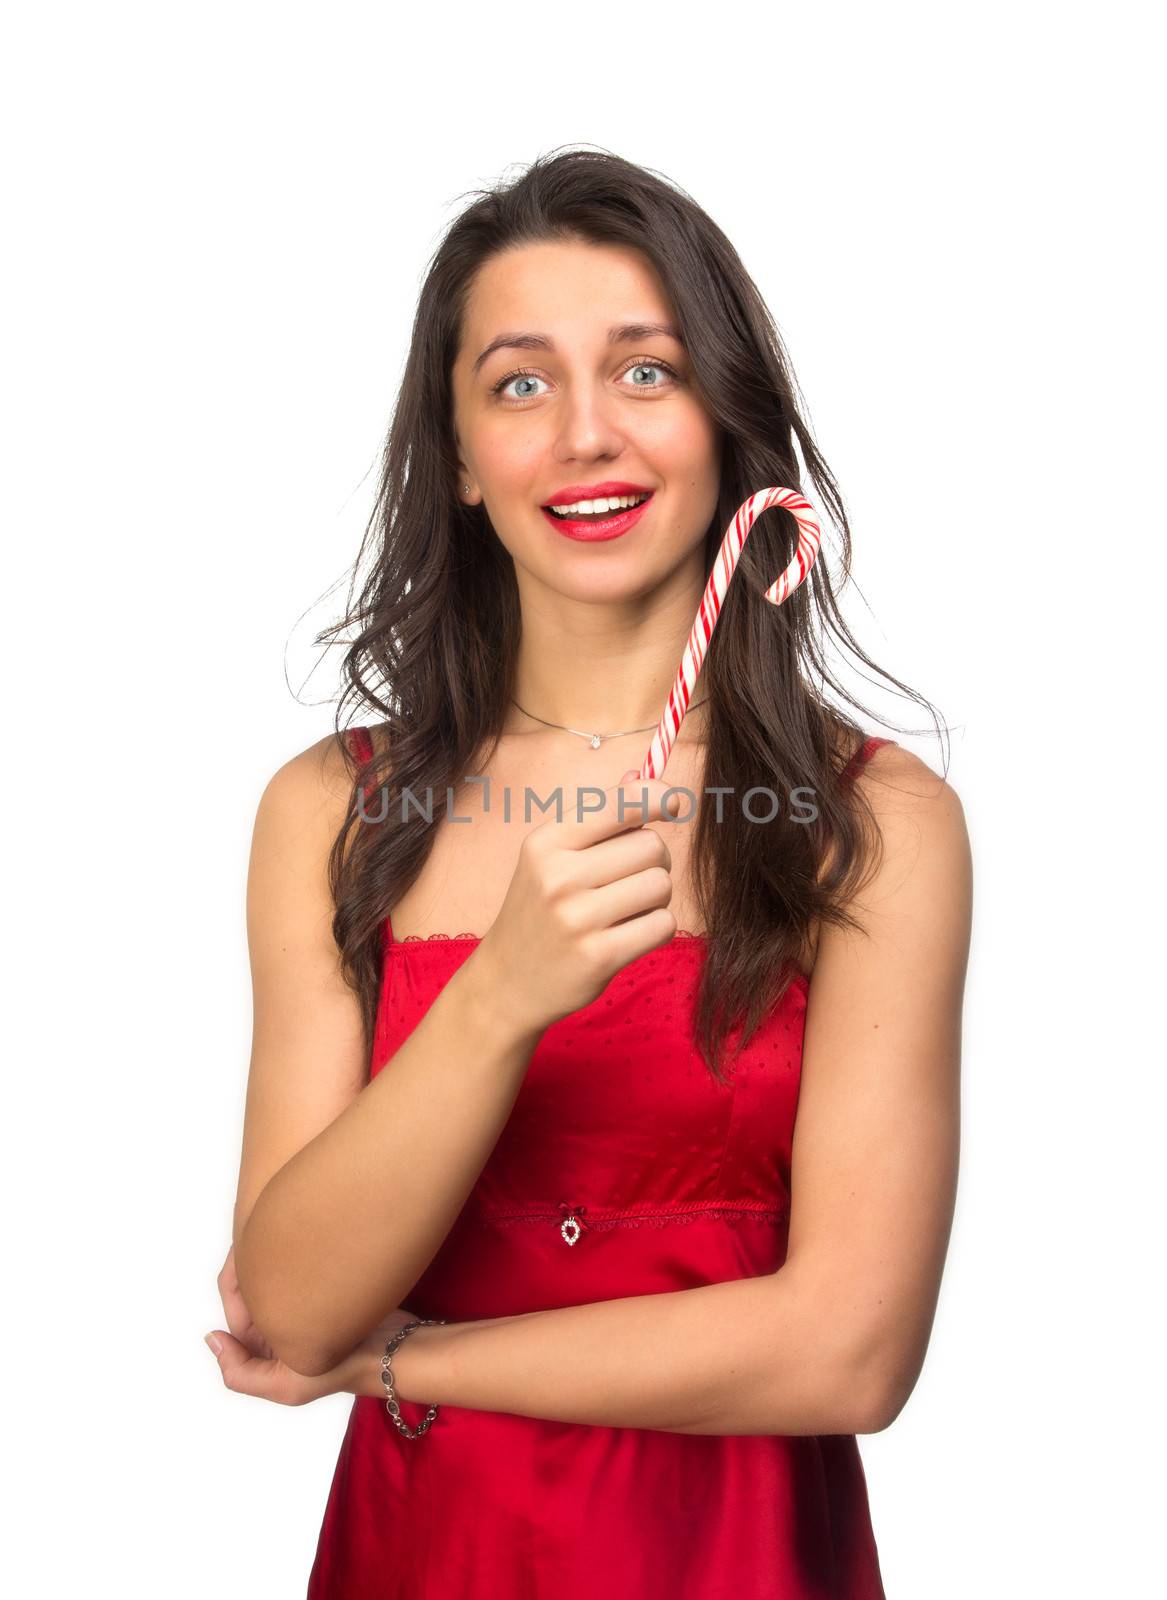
(308, 1361)
(876, 1409)
(300, 1350)
(294, 1346)
(882, 1377)
(852, 1403)
(274, 1314)
(866, 1362)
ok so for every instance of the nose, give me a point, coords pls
(588, 426)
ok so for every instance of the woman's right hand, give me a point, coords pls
(587, 897)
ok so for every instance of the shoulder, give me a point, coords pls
(318, 781)
(901, 794)
(305, 803)
(916, 891)
(915, 867)
(912, 805)
(314, 782)
(301, 822)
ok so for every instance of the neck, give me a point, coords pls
(597, 669)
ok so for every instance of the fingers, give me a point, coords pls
(610, 811)
(611, 859)
(242, 1372)
(634, 896)
(235, 1310)
(227, 1280)
(245, 1373)
(643, 801)
(233, 1307)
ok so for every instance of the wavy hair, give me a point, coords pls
(432, 630)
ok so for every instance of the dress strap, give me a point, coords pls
(862, 756)
(360, 742)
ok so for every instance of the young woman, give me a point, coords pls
(527, 1079)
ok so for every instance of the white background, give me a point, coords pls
(217, 220)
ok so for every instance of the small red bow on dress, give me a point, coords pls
(573, 1224)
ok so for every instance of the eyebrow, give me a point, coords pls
(623, 333)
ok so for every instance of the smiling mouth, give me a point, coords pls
(566, 514)
(596, 527)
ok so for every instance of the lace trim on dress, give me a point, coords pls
(866, 750)
(392, 942)
(424, 938)
(667, 1218)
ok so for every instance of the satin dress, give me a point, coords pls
(623, 1169)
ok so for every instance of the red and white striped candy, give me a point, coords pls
(710, 607)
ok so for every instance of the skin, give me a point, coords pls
(834, 1341)
(603, 625)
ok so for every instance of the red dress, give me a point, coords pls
(675, 1182)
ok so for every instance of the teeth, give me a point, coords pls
(583, 508)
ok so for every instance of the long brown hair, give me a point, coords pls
(432, 631)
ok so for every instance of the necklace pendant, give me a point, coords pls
(595, 741)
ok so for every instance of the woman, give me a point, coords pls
(547, 1109)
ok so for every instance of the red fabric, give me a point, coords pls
(677, 1182)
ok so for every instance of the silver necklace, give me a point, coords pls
(596, 739)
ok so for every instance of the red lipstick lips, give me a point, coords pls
(596, 528)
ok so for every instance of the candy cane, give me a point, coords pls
(710, 607)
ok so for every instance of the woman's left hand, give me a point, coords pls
(249, 1365)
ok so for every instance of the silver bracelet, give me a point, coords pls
(391, 1403)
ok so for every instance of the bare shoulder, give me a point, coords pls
(893, 763)
(922, 844)
(305, 801)
(300, 815)
(318, 778)
(913, 904)
(919, 815)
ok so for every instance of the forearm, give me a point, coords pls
(344, 1230)
(752, 1356)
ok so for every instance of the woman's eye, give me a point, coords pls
(520, 378)
(525, 380)
(642, 367)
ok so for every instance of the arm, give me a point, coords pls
(741, 1357)
(347, 1187)
(835, 1340)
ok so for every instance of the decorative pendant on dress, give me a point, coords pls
(572, 1225)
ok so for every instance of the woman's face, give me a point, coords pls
(572, 407)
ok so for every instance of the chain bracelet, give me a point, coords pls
(392, 1405)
